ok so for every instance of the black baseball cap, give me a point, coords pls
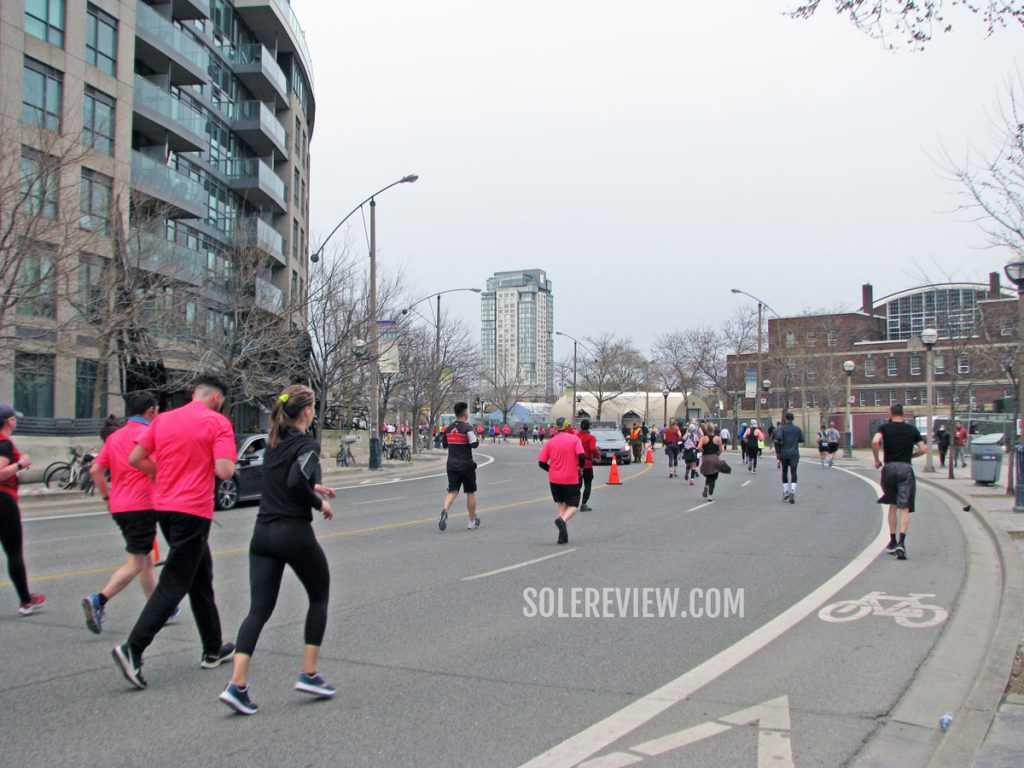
(6, 411)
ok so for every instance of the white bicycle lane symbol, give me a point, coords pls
(906, 611)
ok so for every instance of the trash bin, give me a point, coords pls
(986, 458)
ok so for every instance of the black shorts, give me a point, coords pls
(833, 447)
(565, 494)
(138, 530)
(464, 477)
(899, 485)
(690, 455)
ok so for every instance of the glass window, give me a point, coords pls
(37, 284)
(295, 187)
(298, 137)
(832, 338)
(790, 339)
(45, 19)
(90, 288)
(98, 121)
(892, 397)
(915, 365)
(85, 387)
(908, 396)
(101, 40)
(295, 238)
(891, 366)
(33, 384)
(878, 397)
(39, 182)
(963, 363)
(940, 364)
(939, 396)
(869, 366)
(41, 95)
(96, 196)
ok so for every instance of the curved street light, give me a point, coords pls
(760, 303)
(575, 343)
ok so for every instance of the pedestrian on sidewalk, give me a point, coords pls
(563, 458)
(129, 499)
(901, 443)
(959, 445)
(589, 443)
(11, 463)
(942, 441)
(283, 535)
(789, 437)
(461, 439)
(184, 450)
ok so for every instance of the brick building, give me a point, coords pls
(803, 359)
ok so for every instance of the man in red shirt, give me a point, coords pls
(562, 457)
(130, 501)
(589, 443)
(183, 450)
(959, 444)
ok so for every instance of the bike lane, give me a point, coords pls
(816, 694)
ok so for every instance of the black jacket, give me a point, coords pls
(290, 470)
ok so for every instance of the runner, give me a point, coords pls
(777, 444)
(789, 437)
(589, 443)
(833, 442)
(563, 457)
(672, 439)
(711, 463)
(822, 443)
(11, 463)
(130, 502)
(522, 435)
(691, 444)
(461, 440)
(754, 441)
(506, 432)
(901, 443)
(283, 535)
(184, 450)
(726, 436)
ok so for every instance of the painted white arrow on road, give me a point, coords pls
(774, 748)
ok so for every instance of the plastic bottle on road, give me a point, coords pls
(945, 721)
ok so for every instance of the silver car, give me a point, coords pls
(610, 442)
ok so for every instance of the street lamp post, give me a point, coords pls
(848, 367)
(929, 336)
(575, 346)
(761, 305)
(374, 429)
(664, 417)
(1015, 271)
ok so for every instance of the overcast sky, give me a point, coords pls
(649, 155)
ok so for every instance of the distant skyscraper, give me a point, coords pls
(517, 321)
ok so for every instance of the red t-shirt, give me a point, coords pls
(7, 449)
(184, 443)
(131, 490)
(589, 443)
(562, 456)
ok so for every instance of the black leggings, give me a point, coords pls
(752, 451)
(709, 483)
(10, 538)
(586, 481)
(789, 468)
(673, 456)
(274, 545)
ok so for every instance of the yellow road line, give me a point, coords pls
(340, 534)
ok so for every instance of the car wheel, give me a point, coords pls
(227, 493)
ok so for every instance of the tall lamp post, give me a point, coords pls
(1015, 271)
(576, 343)
(929, 336)
(664, 417)
(761, 305)
(848, 367)
(374, 415)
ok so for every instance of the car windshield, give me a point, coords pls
(607, 434)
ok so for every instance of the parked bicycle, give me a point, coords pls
(344, 458)
(73, 474)
(398, 450)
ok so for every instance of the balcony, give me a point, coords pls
(255, 122)
(159, 255)
(269, 297)
(257, 183)
(165, 48)
(254, 232)
(256, 66)
(191, 9)
(183, 197)
(275, 22)
(161, 117)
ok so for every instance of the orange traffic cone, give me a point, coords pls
(650, 456)
(613, 476)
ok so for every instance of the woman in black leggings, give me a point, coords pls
(11, 463)
(284, 536)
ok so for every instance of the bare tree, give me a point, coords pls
(613, 366)
(504, 387)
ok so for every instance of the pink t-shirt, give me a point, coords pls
(131, 490)
(562, 455)
(184, 443)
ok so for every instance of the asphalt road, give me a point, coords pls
(445, 654)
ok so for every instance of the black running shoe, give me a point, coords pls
(214, 660)
(891, 547)
(792, 498)
(901, 551)
(130, 665)
(563, 531)
(586, 508)
(443, 522)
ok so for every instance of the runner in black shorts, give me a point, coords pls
(901, 443)
(563, 457)
(461, 439)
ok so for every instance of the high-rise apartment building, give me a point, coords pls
(155, 163)
(517, 323)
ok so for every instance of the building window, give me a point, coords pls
(892, 397)
(96, 196)
(832, 338)
(45, 19)
(295, 238)
(1006, 328)
(940, 364)
(298, 137)
(85, 388)
(963, 363)
(33, 384)
(924, 396)
(810, 338)
(869, 367)
(790, 339)
(37, 285)
(101, 40)
(39, 182)
(891, 366)
(908, 396)
(878, 397)
(41, 95)
(939, 396)
(812, 375)
(862, 398)
(295, 188)
(98, 121)
(915, 365)
(90, 288)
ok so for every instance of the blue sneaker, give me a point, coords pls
(314, 684)
(238, 699)
(175, 615)
(93, 613)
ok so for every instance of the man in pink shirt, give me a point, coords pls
(183, 450)
(130, 501)
(562, 457)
